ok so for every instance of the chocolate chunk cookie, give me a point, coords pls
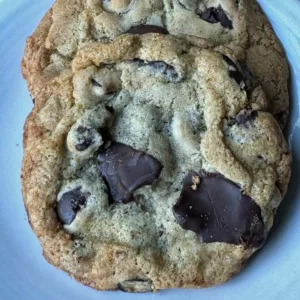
(237, 25)
(149, 162)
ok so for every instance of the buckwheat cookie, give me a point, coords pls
(238, 25)
(152, 164)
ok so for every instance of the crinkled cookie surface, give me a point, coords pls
(238, 25)
(150, 163)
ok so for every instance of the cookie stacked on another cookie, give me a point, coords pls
(152, 159)
(238, 25)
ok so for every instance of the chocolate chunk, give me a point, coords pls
(126, 169)
(168, 71)
(83, 145)
(216, 15)
(217, 210)
(70, 204)
(105, 134)
(234, 72)
(241, 74)
(81, 129)
(144, 28)
(110, 109)
(85, 138)
(238, 77)
(250, 81)
(245, 116)
(160, 67)
(229, 61)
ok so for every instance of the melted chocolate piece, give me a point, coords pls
(245, 116)
(241, 74)
(234, 72)
(160, 67)
(85, 138)
(126, 169)
(229, 61)
(144, 28)
(216, 15)
(168, 71)
(105, 134)
(70, 204)
(238, 77)
(217, 211)
(110, 109)
(250, 81)
(83, 145)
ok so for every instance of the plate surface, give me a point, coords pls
(274, 272)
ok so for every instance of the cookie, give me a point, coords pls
(238, 25)
(151, 163)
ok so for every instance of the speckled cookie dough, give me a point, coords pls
(158, 167)
(237, 25)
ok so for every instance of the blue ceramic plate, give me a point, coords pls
(274, 272)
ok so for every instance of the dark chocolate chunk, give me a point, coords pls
(217, 210)
(105, 134)
(144, 28)
(229, 61)
(83, 145)
(241, 74)
(231, 121)
(160, 67)
(70, 204)
(81, 129)
(126, 169)
(216, 15)
(234, 72)
(238, 77)
(250, 81)
(245, 116)
(168, 71)
(85, 138)
(110, 109)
